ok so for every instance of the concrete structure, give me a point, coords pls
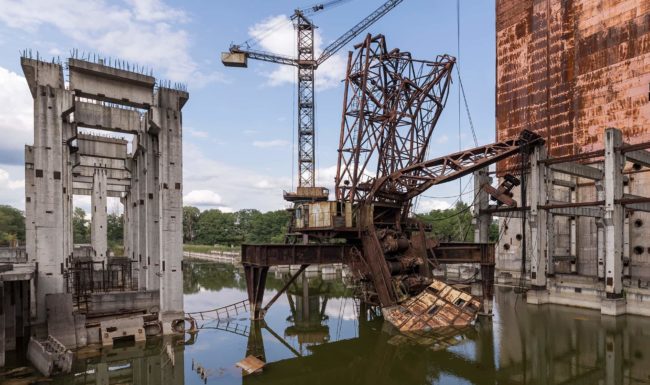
(568, 70)
(67, 160)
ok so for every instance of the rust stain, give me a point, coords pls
(568, 69)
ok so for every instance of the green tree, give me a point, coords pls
(452, 224)
(115, 233)
(190, 219)
(12, 225)
(216, 227)
(80, 228)
(269, 227)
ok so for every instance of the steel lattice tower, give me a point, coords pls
(306, 66)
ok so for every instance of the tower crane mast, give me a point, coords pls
(306, 63)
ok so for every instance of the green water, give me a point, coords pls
(319, 339)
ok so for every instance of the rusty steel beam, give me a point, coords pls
(465, 252)
(409, 182)
(300, 254)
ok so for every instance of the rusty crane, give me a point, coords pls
(306, 63)
(392, 103)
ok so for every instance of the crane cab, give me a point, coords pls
(325, 215)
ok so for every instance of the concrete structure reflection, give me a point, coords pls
(147, 364)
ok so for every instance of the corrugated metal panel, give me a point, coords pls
(567, 69)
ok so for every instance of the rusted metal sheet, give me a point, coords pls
(251, 364)
(438, 306)
(282, 254)
(567, 69)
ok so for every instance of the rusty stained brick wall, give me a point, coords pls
(567, 69)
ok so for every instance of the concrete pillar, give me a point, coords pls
(600, 233)
(626, 234)
(98, 222)
(614, 216)
(573, 224)
(537, 219)
(152, 210)
(480, 221)
(166, 120)
(44, 175)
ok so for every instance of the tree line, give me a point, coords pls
(215, 227)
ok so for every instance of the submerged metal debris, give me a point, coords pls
(439, 305)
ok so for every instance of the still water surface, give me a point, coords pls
(314, 336)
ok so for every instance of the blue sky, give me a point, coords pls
(238, 123)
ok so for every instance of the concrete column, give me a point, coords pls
(626, 233)
(573, 224)
(614, 216)
(600, 233)
(98, 223)
(480, 221)
(152, 210)
(166, 119)
(537, 219)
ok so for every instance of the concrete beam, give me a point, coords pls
(110, 181)
(89, 192)
(109, 187)
(564, 183)
(89, 171)
(111, 84)
(578, 212)
(577, 169)
(641, 157)
(106, 118)
(99, 162)
(101, 147)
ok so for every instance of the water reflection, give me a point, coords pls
(314, 335)
(147, 364)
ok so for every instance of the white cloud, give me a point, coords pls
(270, 143)
(148, 32)
(237, 186)
(425, 205)
(202, 198)
(276, 34)
(5, 180)
(12, 186)
(16, 116)
(197, 133)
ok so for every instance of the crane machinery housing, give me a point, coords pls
(306, 64)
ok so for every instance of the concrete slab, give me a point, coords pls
(122, 328)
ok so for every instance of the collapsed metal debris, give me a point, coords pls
(438, 306)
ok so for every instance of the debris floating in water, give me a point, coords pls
(439, 305)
